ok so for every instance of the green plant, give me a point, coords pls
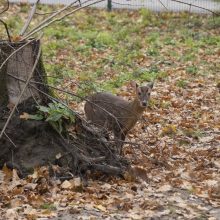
(86, 87)
(146, 15)
(48, 206)
(165, 104)
(149, 75)
(152, 37)
(152, 51)
(169, 41)
(214, 22)
(104, 39)
(188, 56)
(181, 83)
(192, 69)
(57, 114)
(194, 133)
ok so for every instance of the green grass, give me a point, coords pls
(48, 206)
(104, 50)
(182, 83)
(193, 70)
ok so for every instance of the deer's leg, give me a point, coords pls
(122, 138)
(119, 137)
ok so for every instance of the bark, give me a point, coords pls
(16, 71)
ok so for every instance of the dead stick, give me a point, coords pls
(59, 19)
(30, 17)
(22, 92)
(10, 140)
(7, 31)
(6, 27)
(55, 99)
(163, 4)
(52, 16)
(6, 9)
(73, 94)
(196, 6)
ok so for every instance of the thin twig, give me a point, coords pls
(59, 19)
(10, 140)
(30, 17)
(52, 12)
(45, 13)
(189, 4)
(6, 27)
(54, 99)
(127, 4)
(163, 4)
(69, 93)
(22, 92)
(7, 31)
(6, 9)
(50, 17)
(59, 101)
(196, 6)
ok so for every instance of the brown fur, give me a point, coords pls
(116, 114)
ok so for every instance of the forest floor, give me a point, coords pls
(177, 161)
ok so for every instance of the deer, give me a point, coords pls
(115, 114)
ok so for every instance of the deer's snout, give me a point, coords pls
(144, 103)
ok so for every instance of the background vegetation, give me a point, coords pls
(177, 158)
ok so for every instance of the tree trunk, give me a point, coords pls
(16, 70)
(19, 145)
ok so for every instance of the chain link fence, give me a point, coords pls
(198, 6)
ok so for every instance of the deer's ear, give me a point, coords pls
(134, 84)
(151, 85)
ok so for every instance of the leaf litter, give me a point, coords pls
(175, 166)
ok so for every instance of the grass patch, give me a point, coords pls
(193, 70)
(118, 46)
(48, 206)
(182, 83)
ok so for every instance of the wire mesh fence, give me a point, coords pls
(199, 6)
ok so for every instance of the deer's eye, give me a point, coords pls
(139, 93)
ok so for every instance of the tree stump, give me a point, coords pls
(27, 144)
(17, 60)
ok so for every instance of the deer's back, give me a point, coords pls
(105, 109)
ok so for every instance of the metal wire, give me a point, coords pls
(198, 6)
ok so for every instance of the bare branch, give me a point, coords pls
(46, 13)
(52, 16)
(163, 4)
(59, 19)
(69, 93)
(10, 140)
(7, 7)
(196, 6)
(7, 31)
(30, 17)
(6, 27)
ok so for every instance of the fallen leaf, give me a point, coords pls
(101, 208)
(66, 185)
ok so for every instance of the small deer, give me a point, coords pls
(115, 114)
